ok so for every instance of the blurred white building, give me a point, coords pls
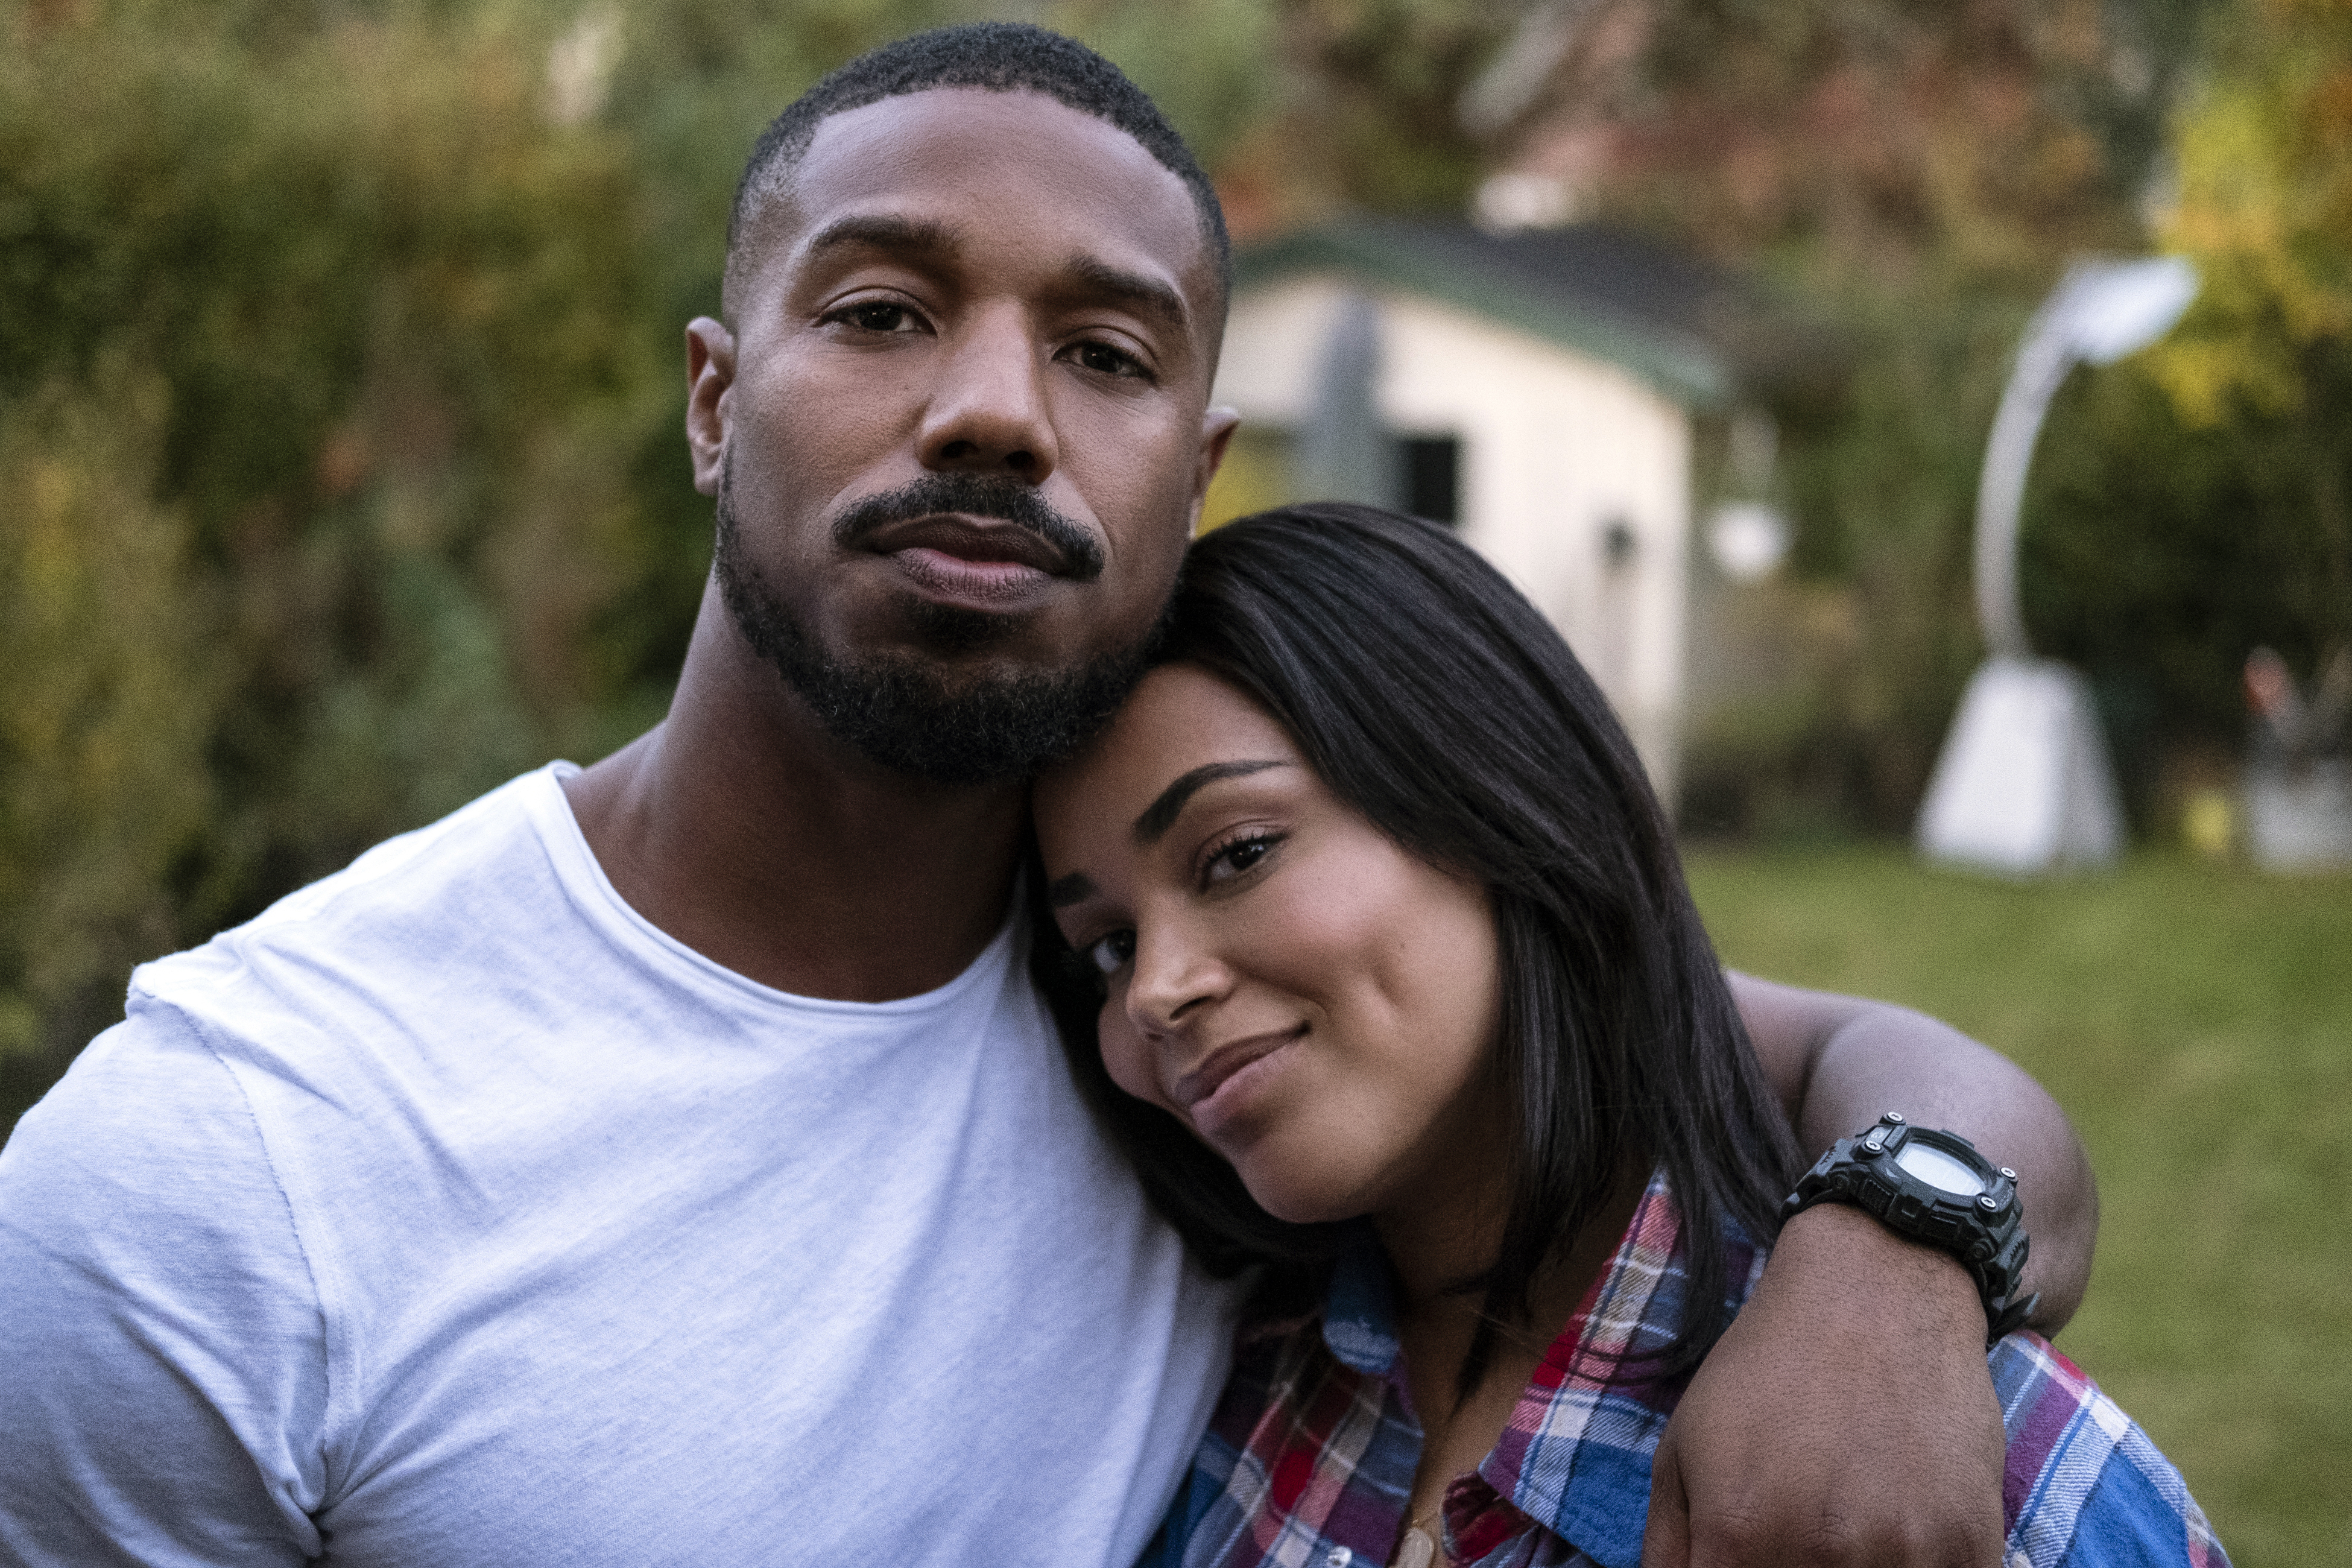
(1536, 390)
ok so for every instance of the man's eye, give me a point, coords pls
(1103, 358)
(1111, 954)
(878, 316)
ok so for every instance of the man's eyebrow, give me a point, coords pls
(1160, 815)
(879, 231)
(1074, 889)
(1144, 295)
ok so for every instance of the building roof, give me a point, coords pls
(1681, 324)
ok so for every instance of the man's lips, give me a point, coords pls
(981, 542)
(978, 562)
(1209, 1075)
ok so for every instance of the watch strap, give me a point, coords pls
(1984, 1232)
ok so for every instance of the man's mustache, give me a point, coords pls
(1009, 502)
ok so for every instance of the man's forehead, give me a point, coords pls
(1009, 128)
(930, 154)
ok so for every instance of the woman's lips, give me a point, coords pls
(1215, 1092)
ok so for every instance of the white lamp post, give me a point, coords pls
(2023, 782)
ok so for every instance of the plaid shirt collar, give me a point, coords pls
(1574, 1457)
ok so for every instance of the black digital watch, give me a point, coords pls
(1932, 1186)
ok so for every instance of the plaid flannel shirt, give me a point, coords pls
(1309, 1460)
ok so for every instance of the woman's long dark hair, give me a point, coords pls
(1433, 699)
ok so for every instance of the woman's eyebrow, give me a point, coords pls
(1160, 815)
(1074, 888)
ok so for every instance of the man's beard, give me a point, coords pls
(899, 709)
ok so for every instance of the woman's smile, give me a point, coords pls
(1219, 1090)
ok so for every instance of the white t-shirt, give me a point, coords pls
(450, 1214)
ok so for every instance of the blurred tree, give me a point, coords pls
(105, 798)
(1915, 147)
(2263, 205)
(1303, 109)
(325, 362)
(2198, 504)
(1918, 175)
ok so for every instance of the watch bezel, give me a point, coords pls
(1984, 1232)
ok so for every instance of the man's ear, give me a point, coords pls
(709, 373)
(1217, 427)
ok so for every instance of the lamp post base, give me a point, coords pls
(2023, 787)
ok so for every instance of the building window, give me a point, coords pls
(1430, 469)
(1617, 544)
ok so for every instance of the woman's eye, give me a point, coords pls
(1238, 857)
(1111, 954)
(1103, 358)
(878, 316)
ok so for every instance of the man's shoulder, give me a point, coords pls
(359, 990)
(414, 871)
(312, 968)
(2085, 1484)
(452, 893)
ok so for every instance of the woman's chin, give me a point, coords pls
(1288, 1197)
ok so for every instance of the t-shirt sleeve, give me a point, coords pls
(165, 1381)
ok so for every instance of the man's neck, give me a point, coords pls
(742, 828)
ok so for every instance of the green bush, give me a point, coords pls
(327, 371)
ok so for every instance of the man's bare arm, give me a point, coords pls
(1846, 1418)
(1838, 1062)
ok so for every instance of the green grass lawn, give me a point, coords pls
(2196, 1022)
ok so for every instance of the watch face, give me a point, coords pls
(1938, 1169)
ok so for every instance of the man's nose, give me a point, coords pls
(988, 412)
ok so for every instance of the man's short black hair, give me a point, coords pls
(997, 56)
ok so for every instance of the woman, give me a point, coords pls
(1386, 923)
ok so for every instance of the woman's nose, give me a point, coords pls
(1174, 981)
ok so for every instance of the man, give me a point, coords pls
(671, 1161)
